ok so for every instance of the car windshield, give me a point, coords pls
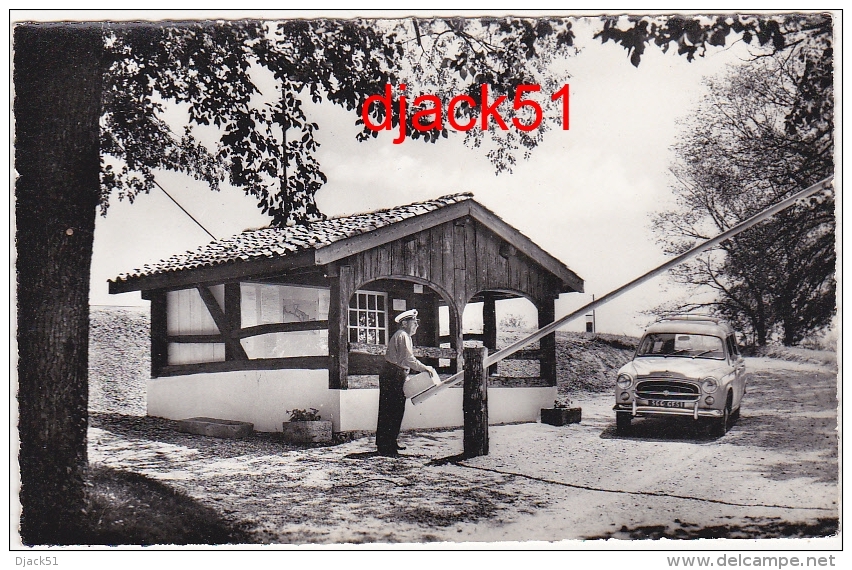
(680, 344)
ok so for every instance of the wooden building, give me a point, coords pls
(249, 327)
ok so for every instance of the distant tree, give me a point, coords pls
(764, 130)
(76, 81)
(736, 158)
(513, 321)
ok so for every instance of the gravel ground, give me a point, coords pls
(774, 475)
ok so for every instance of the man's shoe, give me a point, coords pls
(400, 447)
(388, 453)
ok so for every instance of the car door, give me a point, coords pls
(738, 363)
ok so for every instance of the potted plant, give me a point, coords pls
(306, 426)
(561, 414)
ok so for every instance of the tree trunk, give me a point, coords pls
(57, 81)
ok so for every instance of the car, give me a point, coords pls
(688, 366)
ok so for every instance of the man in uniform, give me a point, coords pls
(399, 362)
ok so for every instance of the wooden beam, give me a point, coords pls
(289, 363)
(195, 338)
(457, 340)
(419, 351)
(547, 367)
(475, 403)
(257, 330)
(280, 328)
(517, 382)
(489, 326)
(159, 334)
(231, 344)
(233, 318)
(338, 330)
(526, 355)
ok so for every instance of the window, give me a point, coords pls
(733, 349)
(186, 314)
(269, 303)
(368, 317)
(675, 344)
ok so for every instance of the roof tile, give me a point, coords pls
(273, 242)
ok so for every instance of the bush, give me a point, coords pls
(511, 321)
(304, 415)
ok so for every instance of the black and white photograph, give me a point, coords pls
(426, 280)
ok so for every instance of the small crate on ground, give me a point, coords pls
(307, 432)
(561, 416)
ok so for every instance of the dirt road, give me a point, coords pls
(775, 474)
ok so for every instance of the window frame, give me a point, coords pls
(358, 310)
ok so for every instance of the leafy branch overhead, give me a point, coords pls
(805, 38)
(764, 130)
(242, 91)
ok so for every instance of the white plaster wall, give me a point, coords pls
(359, 408)
(261, 397)
(507, 405)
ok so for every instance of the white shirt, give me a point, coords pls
(401, 352)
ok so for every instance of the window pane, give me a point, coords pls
(362, 300)
(371, 319)
(371, 337)
(381, 302)
(381, 320)
(353, 302)
(353, 318)
(362, 335)
(353, 335)
(372, 302)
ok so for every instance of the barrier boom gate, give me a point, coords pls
(492, 359)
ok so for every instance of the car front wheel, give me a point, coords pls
(720, 426)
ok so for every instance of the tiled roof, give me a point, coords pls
(275, 242)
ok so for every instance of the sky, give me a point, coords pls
(586, 195)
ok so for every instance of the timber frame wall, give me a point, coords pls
(463, 253)
(230, 333)
(462, 260)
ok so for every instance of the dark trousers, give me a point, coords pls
(391, 407)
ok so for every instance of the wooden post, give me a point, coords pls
(436, 333)
(233, 315)
(338, 328)
(547, 364)
(489, 326)
(475, 403)
(159, 342)
(456, 339)
(233, 348)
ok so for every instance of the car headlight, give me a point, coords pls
(624, 381)
(709, 385)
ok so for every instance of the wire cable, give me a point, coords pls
(184, 210)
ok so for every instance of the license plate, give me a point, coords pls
(666, 404)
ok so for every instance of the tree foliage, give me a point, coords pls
(764, 131)
(243, 87)
(739, 156)
(246, 84)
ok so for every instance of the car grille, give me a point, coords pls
(667, 390)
